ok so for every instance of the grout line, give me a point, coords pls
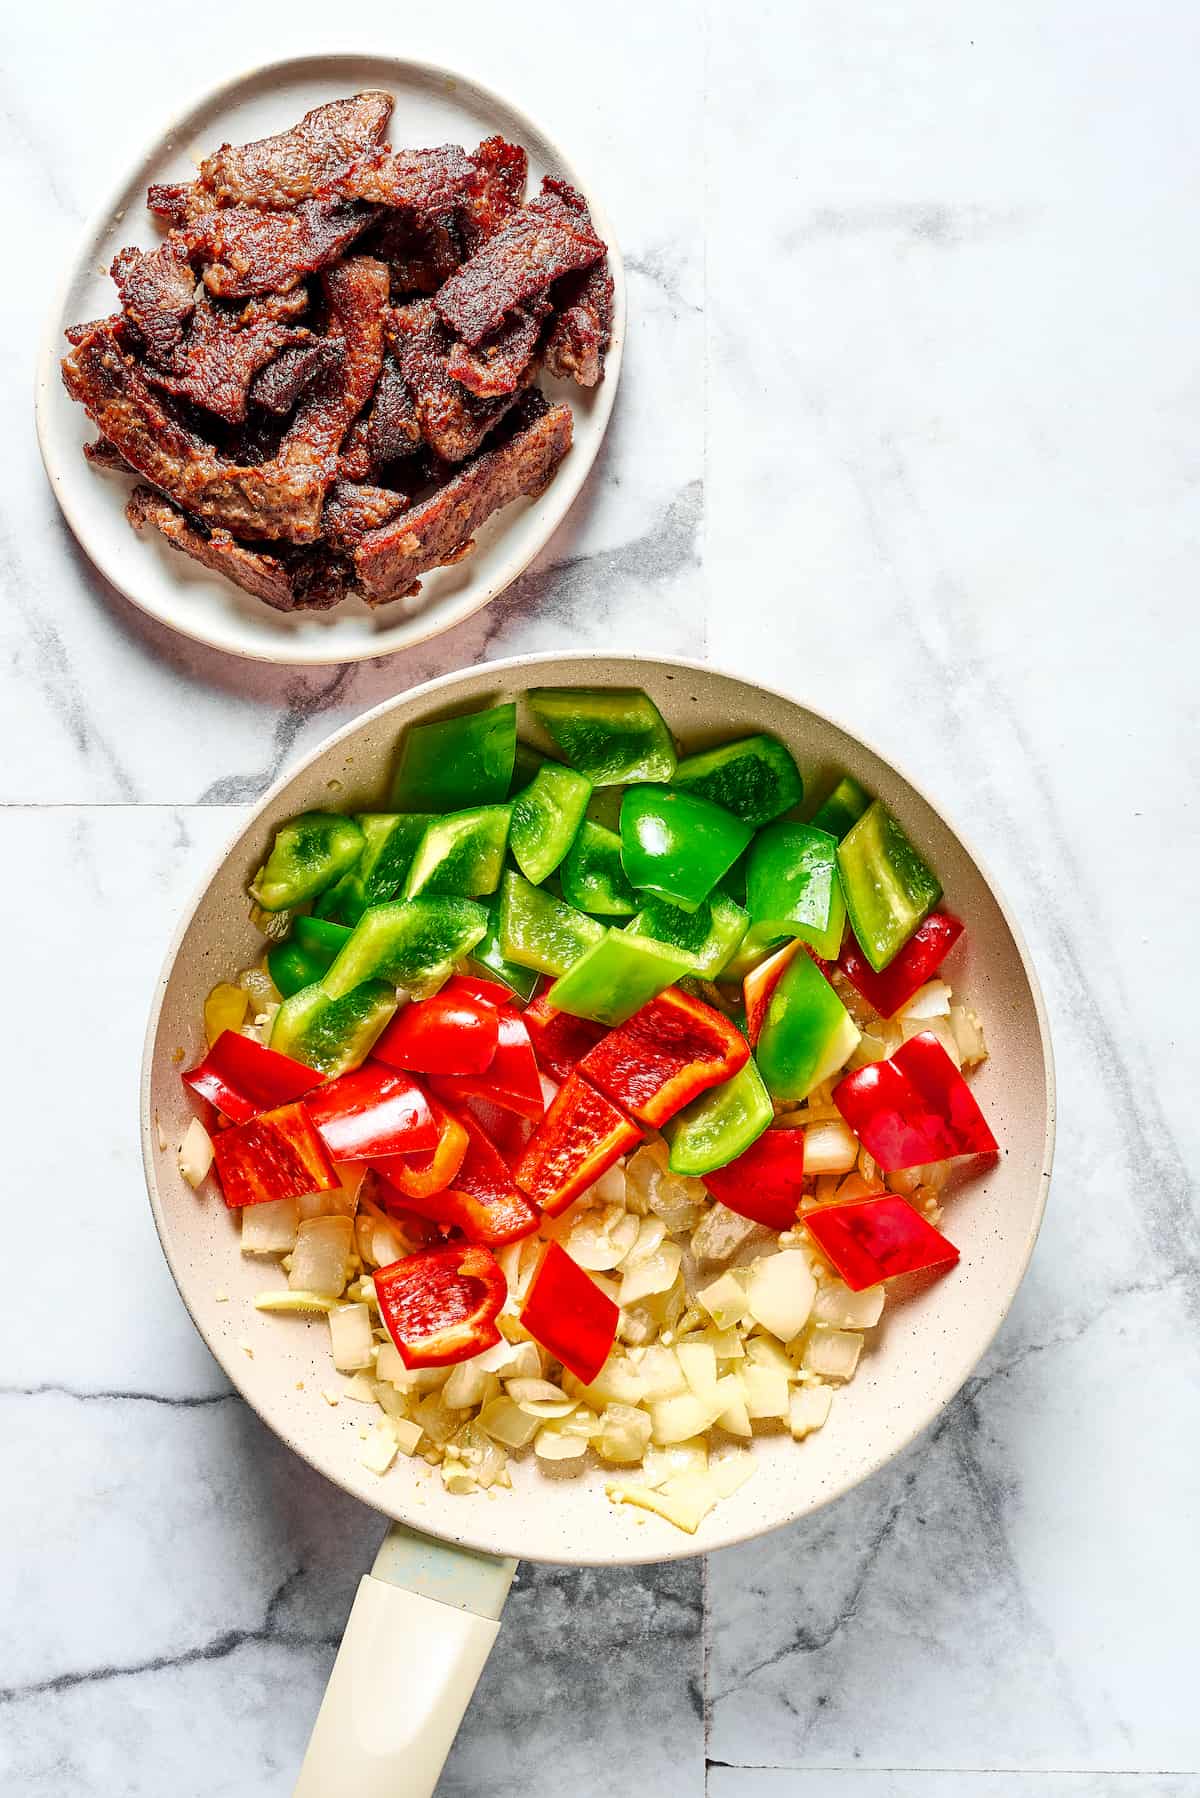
(860, 1767)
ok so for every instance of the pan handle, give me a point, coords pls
(421, 1627)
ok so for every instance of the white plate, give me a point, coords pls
(432, 106)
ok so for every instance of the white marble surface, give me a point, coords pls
(908, 426)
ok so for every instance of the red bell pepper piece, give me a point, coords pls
(490, 991)
(914, 1108)
(277, 1155)
(241, 1077)
(581, 1136)
(511, 1079)
(918, 961)
(559, 1040)
(878, 1239)
(569, 1315)
(665, 1055)
(507, 1130)
(372, 1111)
(452, 1033)
(764, 1181)
(441, 1306)
(483, 1200)
(417, 1176)
(761, 982)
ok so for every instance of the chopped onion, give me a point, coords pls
(663, 1464)
(699, 1363)
(554, 1445)
(731, 1394)
(195, 1153)
(731, 1472)
(624, 1433)
(360, 1387)
(342, 1201)
(269, 1228)
(610, 1188)
(939, 1027)
(540, 1398)
(651, 1233)
(657, 1272)
(408, 1435)
(590, 1244)
(724, 1300)
(351, 1338)
(506, 1422)
(511, 1360)
(929, 1001)
(224, 1009)
(766, 1391)
(832, 1353)
(836, 1304)
(968, 1035)
(438, 1419)
(808, 1409)
(661, 1373)
(619, 1382)
(292, 1301)
(675, 1419)
(379, 1450)
(830, 1147)
(779, 1292)
(321, 1259)
(469, 1385)
(764, 1351)
(680, 1203)
(722, 1233)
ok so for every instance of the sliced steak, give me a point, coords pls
(453, 422)
(496, 189)
(158, 294)
(499, 364)
(390, 561)
(421, 253)
(279, 385)
(282, 308)
(582, 328)
(425, 182)
(219, 358)
(254, 570)
(520, 260)
(354, 508)
(250, 252)
(393, 429)
(103, 454)
(279, 171)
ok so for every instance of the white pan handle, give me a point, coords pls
(420, 1629)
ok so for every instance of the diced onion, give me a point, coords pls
(832, 1353)
(699, 1363)
(321, 1258)
(379, 1450)
(766, 1391)
(506, 1422)
(724, 1300)
(722, 1233)
(624, 1433)
(195, 1153)
(830, 1147)
(292, 1301)
(968, 1035)
(689, 1456)
(836, 1304)
(808, 1409)
(469, 1385)
(224, 1009)
(656, 1273)
(351, 1337)
(553, 1445)
(270, 1228)
(540, 1398)
(661, 1373)
(929, 1001)
(675, 1419)
(779, 1292)
(731, 1394)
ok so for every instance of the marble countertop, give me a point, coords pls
(908, 426)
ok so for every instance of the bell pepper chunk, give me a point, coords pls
(580, 1138)
(616, 977)
(333, 1035)
(475, 986)
(538, 931)
(568, 1314)
(390, 841)
(457, 762)
(242, 1078)
(677, 846)
(489, 957)
(914, 1109)
(888, 887)
(719, 1127)
(755, 948)
(610, 737)
(418, 1176)
(451, 1033)
(806, 1035)
(918, 961)
(877, 1239)
(461, 854)
(413, 943)
(710, 934)
(592, 876)
(843, 808)
(559, 1040)
(664, 1056)
(507, 1131)
(483, 1200)
(309, 853)
(755, 778)
(441, 1306)
(793, 889)
(277, 1155)
(511, 1079)
(372, 1111)
(761, 982)
(765, 1182)
(546, 818)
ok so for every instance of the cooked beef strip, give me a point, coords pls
(353, 509)
(393, 429)
(520, 260)
(251, 252)
(390, 561)
(177, 201)
(103, 454)
(427, 181)
(582, 329)
(498, 365)
(255, 570)
(279, 171)
(279, 385)
(355, 461)
(453, 422)
(282, 308)
(496, 189)
(421, 253)
(219, 359)
(115, 322)
(158, 293)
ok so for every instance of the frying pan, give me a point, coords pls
(425, 1618)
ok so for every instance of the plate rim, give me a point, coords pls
(422, 626)
(657, 1550)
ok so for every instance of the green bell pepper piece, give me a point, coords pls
(390, 842)
(545, 819)
(610, 736)
(456, 763)
(414, 943)
(527, 763)
(300, 961)
(709, 935)
(617, 976)
(677, 846)
(755, 778)
(592, 876)
(720, 1125)
(890, 890)
(807, 1034)
(754, 947)
(462, 853)
(489, 958)
(538, 931)
(309, 853)
(792, 886)
(844, 807)
(333, 1035)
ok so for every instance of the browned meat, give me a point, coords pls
(115, 323)
(582, 329)
(390, 561)
(427, 182)
(282, 308)
(500, 363)
(393, 429)
(103, 454)
(355, 461)
(453, 422)
(279, 385)
(158, 292)
(294, 165)
(251, 252)
(255, 570)
(520, 260)
(320, 577)
(356, 298)
(420, 253)
(496, 190)
(219, 359)
(177, 201)
(353, 509)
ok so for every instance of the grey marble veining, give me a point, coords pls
(908, 427)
